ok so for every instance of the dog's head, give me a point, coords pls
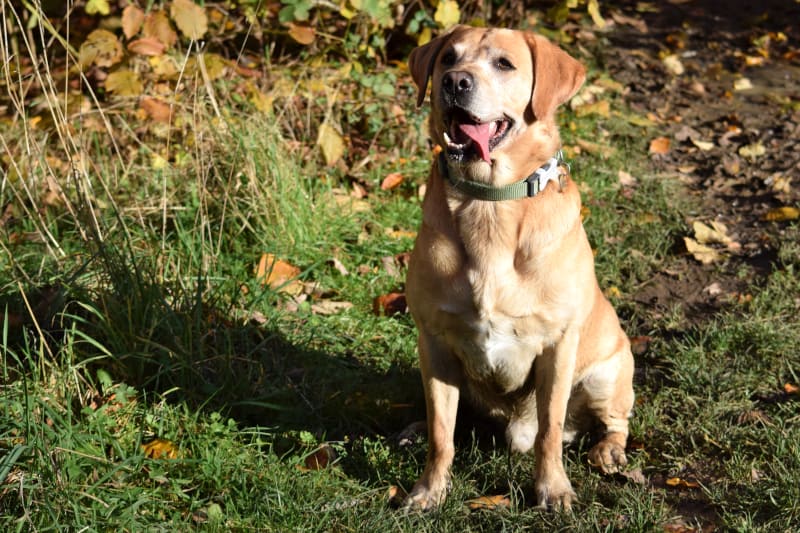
(494, 94)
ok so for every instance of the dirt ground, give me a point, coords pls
(729, 101)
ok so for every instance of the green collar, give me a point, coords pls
(526, 188)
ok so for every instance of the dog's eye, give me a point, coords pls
(504, 64)
(449, 58)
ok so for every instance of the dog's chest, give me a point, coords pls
(495, 347)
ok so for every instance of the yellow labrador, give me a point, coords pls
(501, 281)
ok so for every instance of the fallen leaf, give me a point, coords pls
(640, 344)
(339, 267)
(703, 145)
(156, 24)
(673, 64)
(660, 145)
(132, 20)
(392, 180)
(716, 233)
(791, 388)
(302, 33)
(331, 143)
(124, 82)
(682, 483)
(489, 503)
(626, 180)
(160, 449)
(190, 18)
(393, 303)
(782, 214)
(320, 459)
(742, 84)
(94, 7)
(278, 274)
(715, 289)
(600, 108)
(157, 110)
(101, 48)
(147, 46)
(396, 495)
(753, 151)
(705, 254)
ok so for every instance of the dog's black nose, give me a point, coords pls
(458, 82)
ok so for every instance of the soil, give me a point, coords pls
(714, 121)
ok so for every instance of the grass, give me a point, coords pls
(131, 312)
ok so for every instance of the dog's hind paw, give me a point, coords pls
(608, 455)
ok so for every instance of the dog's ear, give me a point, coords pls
(422, 60)
(557, 75)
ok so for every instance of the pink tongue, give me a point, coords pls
(480, 134)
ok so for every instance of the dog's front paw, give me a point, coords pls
(608, 455)
(426, 496)
(554, 491)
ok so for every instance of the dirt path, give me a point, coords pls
(729, 101)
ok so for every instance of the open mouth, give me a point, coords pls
(469, 138)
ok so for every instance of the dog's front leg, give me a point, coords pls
(554, 372)
(441, 378)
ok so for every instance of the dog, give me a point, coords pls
(501, 281)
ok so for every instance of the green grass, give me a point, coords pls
(132, 312)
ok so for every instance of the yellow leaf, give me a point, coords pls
(782, 214)
(124, 82)
(593, 8)
(331, 143)
(101, 48)
(708, 235)
(753, 151)
(94, 7)
(701, 252)
(425, 36)
(489, 502)
(190, 18)
(447, 13)
(160, 449)
(703, 145)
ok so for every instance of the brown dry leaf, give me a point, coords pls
(602, 150)
(392, 180)
(489, 503)
(302, 33)
(160, 449)
(156, 109)
(278, 274)
(331, 143)
(190, 18)
(791, 388)
(101, 48)
(701, 252)
(319, 460)
(147, 46)
(673, 64)
(132, 20)
(390, 304)
(124, 82)
(640, 344)
(660, 145)
(782, 214)
(156, 24)
(395, 495)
